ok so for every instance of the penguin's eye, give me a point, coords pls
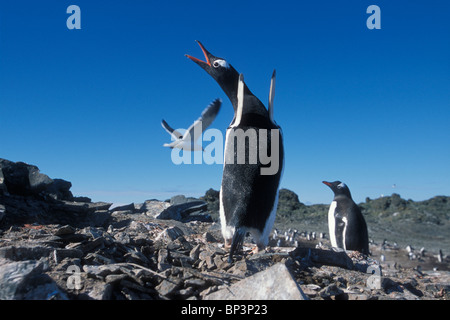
(220, 63)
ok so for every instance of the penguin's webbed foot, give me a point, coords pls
(257, 249)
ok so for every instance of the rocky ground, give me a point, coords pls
(54, 246)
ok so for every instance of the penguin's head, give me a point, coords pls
(218, 68)
(339, 188)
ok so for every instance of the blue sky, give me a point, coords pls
(367, 107)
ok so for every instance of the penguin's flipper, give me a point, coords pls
(174, 133)
(240, 100)
(339, 230)
(272, 95)
(237, 242)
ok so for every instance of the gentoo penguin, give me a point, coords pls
(248, 194)
(187, 141)
(346, 224)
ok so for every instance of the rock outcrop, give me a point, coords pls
(56, 246)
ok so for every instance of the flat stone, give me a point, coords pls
(60, 254)
(180, 211)
(101, 291)
(25, 252)
(195, 283)
(114, 278)
(14, 277)
(357, 296)
(126, 207)
(170, 233)
(331, 290)
(167, 287)
(90, 245)
(153, 208)
(99, 218)
(101, 271)
(195, 252)
(326, 257)
(208, 237)
(274, 283)
(178, 199)
(64, 230)
(96, 206)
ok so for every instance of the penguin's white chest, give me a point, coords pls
(332, 223)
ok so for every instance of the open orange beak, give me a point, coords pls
(205, 53)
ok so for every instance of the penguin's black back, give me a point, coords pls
(356, 235)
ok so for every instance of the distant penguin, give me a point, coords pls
(346, 224)
(249, 190)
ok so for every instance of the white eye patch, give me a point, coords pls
(341, 185)
(221, 63)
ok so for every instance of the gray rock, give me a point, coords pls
(101, 291)
(81, 207)
(153, 208)
(98, 206)
(170, 234)
(38, 181)
(275, 283)
(326, 257)
(311, 289)
(59, 189)
(114, 278)
(183, 210)
(71, 207)
(163, 260)
(48, 290)
(139, 207)
(208, 237)
(195, 283)
(99, 218)
(60, 254)
(126, 207)
(331, 290)
(357, 296)
(102, 270)
(25, 252)
(23, 179)
(207, 259)
(168, 287)
(389, 285)
(179, 199)
(135, 286)
(194, 254)
(15, 276)
(64, 230)
(91, 245)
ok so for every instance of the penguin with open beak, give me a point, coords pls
(251, 178)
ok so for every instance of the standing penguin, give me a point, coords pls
(346, 224)
(249, 190)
